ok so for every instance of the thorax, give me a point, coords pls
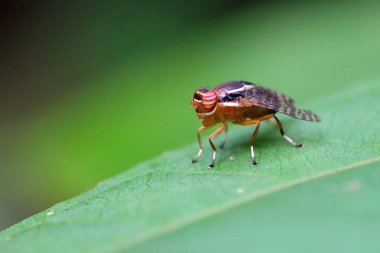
(232, 112)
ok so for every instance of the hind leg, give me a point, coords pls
(287, 138)
(254, 163)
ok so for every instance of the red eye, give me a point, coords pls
(199, 93)
(209, 100)
(204, 100)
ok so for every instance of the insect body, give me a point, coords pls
(243, 103)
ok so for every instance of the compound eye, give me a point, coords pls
(209, 100)
(199, 93)
(197, 97)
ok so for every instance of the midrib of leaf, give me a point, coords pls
(179, 223)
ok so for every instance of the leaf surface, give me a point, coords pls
(326, 192)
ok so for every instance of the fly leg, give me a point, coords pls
(200, 144)
(287, 138)
(212, 136)
(225, 137)
(254, 163)
(254, 135)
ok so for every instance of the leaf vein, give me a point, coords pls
(180, 223)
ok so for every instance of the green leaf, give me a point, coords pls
(321, 198)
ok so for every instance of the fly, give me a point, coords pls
(243, 103)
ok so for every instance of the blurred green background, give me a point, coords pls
(90, 88)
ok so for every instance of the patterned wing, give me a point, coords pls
(276, 101)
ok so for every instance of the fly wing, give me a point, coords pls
(276, 101)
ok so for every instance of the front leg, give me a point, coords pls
(200, 144)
